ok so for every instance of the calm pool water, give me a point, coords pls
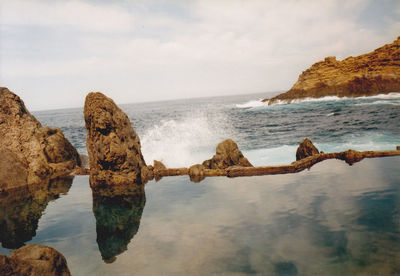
(333, 219)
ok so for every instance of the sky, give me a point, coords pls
(53, 52)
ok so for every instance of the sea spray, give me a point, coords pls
(185, 141)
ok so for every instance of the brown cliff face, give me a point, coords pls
(43, 152)
(113, 146)
(370, 74)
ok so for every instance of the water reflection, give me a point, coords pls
(21, 209)
(118, 215)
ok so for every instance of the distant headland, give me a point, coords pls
(370, 74)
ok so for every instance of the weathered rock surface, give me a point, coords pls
(374, 73)
(227, 154)
(306, 149)
(43, 152)
(196, 172)
(113, 146)
(34, 260)
(13, 174)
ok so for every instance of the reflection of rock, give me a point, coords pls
(306, 149)
(227, 154)
(43, 152)
(34, 260)
(114, 147)
(118, 214)
(21, 209)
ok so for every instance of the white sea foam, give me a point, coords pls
(250, 104)
(187, 141)
(259, 103)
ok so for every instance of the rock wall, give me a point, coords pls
(113, 146)
(374, 73)
(43, 152)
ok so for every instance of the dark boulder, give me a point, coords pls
(227, 155)
(306, 149)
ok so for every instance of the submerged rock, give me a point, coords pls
(227, 155)
(113, 146)
(374, 73)
(34, 260)
(43, 152)
(306, 149)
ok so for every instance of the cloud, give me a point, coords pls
(75, 14)
(183, 50)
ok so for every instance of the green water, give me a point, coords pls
(331, 220)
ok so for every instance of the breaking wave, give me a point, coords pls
(250, 104)
(260, 103)
(185, 141)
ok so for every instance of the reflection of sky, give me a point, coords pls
(333, 218)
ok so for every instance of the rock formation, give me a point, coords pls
(113, 146)
(43, 152)
(306, 149)
(34, 260)
(21, 209)
(196, 173)
(374, 73)
(227, 154)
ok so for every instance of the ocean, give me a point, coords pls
(332, 219)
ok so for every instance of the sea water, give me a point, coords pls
(333, 219)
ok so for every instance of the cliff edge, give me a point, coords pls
(370, 74)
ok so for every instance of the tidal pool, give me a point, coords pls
(333, 219)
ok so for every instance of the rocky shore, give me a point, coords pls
(38, 161)
(370, 74)
(31, 153)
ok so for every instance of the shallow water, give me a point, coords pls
(333, 219)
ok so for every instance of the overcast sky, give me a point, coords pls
(52, 53)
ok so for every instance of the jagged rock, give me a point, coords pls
(34, 260)
(306, 149)
(227, 154)
(374, 73)
(115, 155)
(196, 173)
(44, 152)
(158, 165)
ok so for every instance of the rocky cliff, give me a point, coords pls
(113, 146)
(38, 153)
(370, 74)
